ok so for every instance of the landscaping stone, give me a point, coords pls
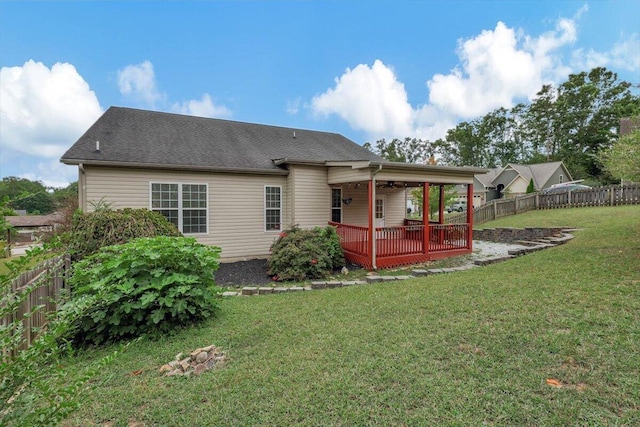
(265, 290)
(230, 294)
(199, 361)
(249, 290)
(318, 285)
(334, 284)
(374, 279)
(404, 277)
(419, 272)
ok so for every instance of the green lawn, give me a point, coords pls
(466, 348)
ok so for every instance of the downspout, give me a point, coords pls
(81, 187)
(373, 216)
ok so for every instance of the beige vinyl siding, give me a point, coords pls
(235, 203)
(517, 188)
(357, 212)
(395, 206)
(312, 196)
(342, 174)
(431, 177)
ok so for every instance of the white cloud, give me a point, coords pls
(139, 81)
(43, 111)
(497, 68)
(202, 108)
(51, 173)
(625, 54)
(368, 98)
(293, 105)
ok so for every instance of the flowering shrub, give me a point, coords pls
(305, 254)
(145, 286)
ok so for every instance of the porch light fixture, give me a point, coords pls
(347, 201)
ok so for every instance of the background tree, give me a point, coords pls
(531, 187)
(408, 150)
(31, 196)
(622, 160)
(434, 197)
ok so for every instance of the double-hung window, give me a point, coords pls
(185, 205)
(336, 204)
(272, 208)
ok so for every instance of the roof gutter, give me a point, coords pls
(174, 167)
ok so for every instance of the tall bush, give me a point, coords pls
(94, 230)
(305, 254)
(146, 286)
(35, 388)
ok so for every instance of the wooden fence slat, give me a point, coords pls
(49, 279)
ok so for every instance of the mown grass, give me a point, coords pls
(467, 348)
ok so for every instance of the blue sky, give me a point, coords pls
(367, 70)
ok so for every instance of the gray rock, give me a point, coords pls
(199, 369)
(202, 357)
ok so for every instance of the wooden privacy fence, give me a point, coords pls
(614, 195)
(43, 284)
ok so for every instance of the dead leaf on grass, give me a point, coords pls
(554, 383)
(136, 373)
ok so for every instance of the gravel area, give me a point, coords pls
(254, 272)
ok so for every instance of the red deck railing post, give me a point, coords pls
(470, 216)
(425, 218)
(372, 228)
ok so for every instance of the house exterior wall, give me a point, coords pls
(310, 196)
(505, 177)
(342, 174)
(555, 178)
(235, 203)
(517, 188)
(357, 213)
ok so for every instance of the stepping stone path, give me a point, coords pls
(529, 246)
(199, 361)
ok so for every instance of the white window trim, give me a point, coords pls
(340, 203)
(180, 209)
(264, 209)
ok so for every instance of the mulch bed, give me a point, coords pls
(243, 273)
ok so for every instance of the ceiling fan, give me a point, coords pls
(390, 184)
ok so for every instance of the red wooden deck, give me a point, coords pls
(404, 245)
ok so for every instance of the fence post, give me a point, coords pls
(612, 195)
(495, 209)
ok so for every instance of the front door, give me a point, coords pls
(380, 202)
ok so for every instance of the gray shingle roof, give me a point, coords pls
(130, 136)
(540, 172)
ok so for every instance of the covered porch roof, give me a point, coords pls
(409, 174)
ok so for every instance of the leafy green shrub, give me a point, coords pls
(94, 230)
(35, 387)
(305, 254)
(145, 286)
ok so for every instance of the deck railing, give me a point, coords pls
(402, 240)
(447, 237)
(353, 238)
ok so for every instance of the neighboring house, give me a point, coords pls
(238, 185)
(513, 180)
(31, 227)
(629, 124)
